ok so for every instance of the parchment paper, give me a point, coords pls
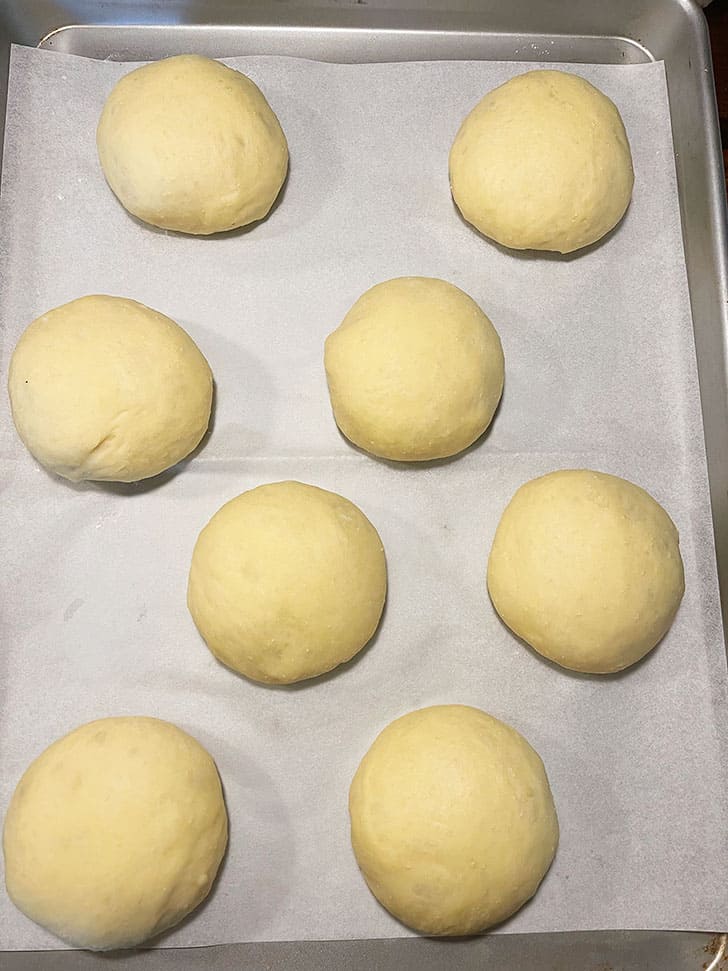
(600, 373)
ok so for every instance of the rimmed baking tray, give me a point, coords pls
(621, 31)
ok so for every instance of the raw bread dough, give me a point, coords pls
(415, 370)
(287, 581)
(586, 568)
(542, 162)
(452, 820)
(115, 832)
(188, 144)
(105, 388)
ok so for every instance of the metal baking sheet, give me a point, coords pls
(667, 30)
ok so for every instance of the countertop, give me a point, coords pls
(717, 15)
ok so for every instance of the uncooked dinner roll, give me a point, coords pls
(287, 581)
(452, 820)
(105, 388)
(415, 370)
(586, 568)
(542, 162)
(189, 144)
(115, 832)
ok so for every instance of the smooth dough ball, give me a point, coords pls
(452, 820)
(586, 568)
(104, 388)
(287, 581)
(542, 162)
(115, 832)
(415, 370)
(188, 144)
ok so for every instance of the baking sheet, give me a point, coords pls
(600, 373)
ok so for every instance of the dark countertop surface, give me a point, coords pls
(717, 15)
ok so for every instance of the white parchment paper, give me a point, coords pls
(600, 373)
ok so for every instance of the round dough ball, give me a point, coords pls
(188, 144)
(452, 820)
(287, 581)
(415, 370)
(586, 568)
(542, 162)
(115, 832)
(104, 388)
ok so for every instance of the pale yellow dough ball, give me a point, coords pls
(542, 162)
(287, 581)
(115, 832)
(452, 820)
(104, 388)
(415, 370)
(189, 144)
(586, 568)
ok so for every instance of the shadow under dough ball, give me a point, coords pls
(287, 582)
(543, 163)
(415, 370)
(104, 388)
(191, 145)
(453, 823)
(586, 568)
(115, 832)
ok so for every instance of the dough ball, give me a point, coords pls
(542, 162)
(452, 820)
(115, 832)
(415, 370)
(287, 581)
(586, 568)
(104, 388)
(188, 144)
